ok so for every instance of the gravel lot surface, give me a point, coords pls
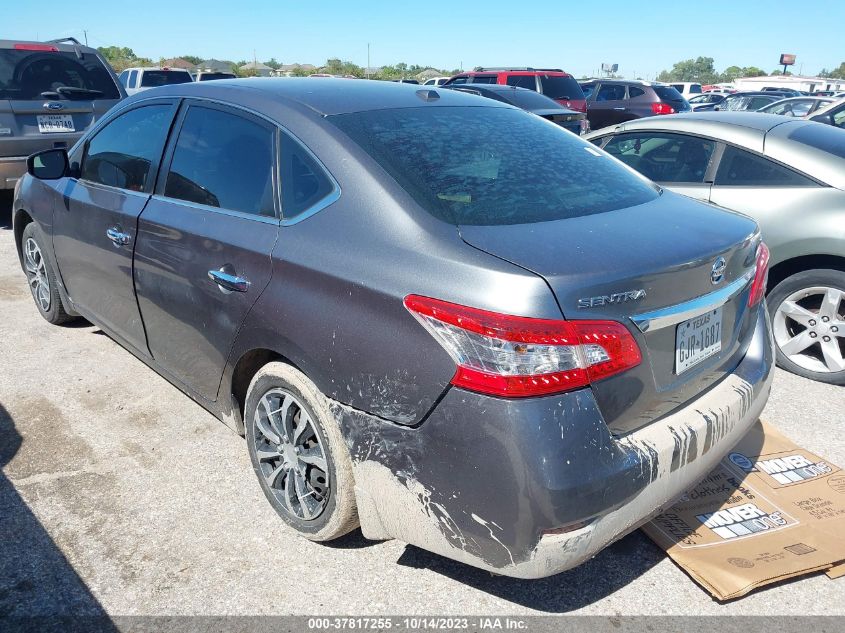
(119, 495)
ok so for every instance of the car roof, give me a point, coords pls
(771, 134)
(514, 71)
(65, 45)
(631, 82)
(326, 96)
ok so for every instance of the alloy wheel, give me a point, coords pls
(36, 272)
(290, 455)
(809, 328)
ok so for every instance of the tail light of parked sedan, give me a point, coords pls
(518, 357)
(662, 108)
(761, 275)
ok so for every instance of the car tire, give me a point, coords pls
(807, 311)
(41, 278)
(315, 497)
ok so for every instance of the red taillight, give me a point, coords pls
(662, 108)
(47, 48)
(512, 356)
(761, 275)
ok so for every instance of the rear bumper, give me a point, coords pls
(11, 170)
(530, 488)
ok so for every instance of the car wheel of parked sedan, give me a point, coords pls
(41, 278)
(298, 453)
(808, 322)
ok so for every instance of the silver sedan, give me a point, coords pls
(789, 175)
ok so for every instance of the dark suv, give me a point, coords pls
(50, 93)
(552, 82)
(613, 101)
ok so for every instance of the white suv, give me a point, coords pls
(138, 79)
(687, 89)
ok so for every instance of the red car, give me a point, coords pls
(552, 82)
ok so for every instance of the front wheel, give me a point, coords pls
(808, 323)
(298, 453)
(41, 278)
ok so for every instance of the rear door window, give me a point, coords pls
(125, 152)
(561, 87)
(611, 92)
(523, 81)
(305, 183)
(666, 158)
(27, 75)
(223, 159)
(587, 89)
(739, 168)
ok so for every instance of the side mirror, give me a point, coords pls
(50, 164)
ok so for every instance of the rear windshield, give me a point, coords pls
(559, 87)
(153, 78)
(28, 75)
(456, 163)
(668, 93)
(529, 100)
(210, 76)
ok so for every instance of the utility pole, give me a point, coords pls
(368, 60)
(85, 31)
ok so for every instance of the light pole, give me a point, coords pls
(368, 60)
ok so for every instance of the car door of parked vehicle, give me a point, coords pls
(204, 240)
(680, 162)
(608, 106)
(764, 189)
(95, 222)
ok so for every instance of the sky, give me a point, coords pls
(642, 37)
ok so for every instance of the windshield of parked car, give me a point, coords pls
(493, 166)
(153, 78)
(560, 87)
(211, 76)
(27, 75)
(530, 100)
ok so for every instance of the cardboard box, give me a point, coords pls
(771, 510)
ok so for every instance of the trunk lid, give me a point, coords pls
(597, 265)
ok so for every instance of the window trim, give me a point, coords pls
(104, 123)
(170, 147)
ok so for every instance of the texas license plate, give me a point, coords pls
(698, 339)
(51, 123)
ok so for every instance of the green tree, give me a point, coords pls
(700, 69)
(121, 58)
(196, 61)
(836, 73)
(272, 63)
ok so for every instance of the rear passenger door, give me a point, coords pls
(205, 238)
(608, 106)
(681, 162)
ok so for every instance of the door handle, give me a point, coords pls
(620, 108)
(118, 237)
(228, 282)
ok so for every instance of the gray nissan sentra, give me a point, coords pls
(429, 313)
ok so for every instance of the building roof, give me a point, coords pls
(216, 65)
(255, 66)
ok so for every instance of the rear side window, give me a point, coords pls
(743, 169)
(611, 92)
(634, 92)
(123, 152)
(523, 81)
(484, 79)
(133, 79)
(668, 93)
(223, 160)
(559, 87)
(26, 75)
(304, 182)
(695, 89)
(153, 78)
(456, 163)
